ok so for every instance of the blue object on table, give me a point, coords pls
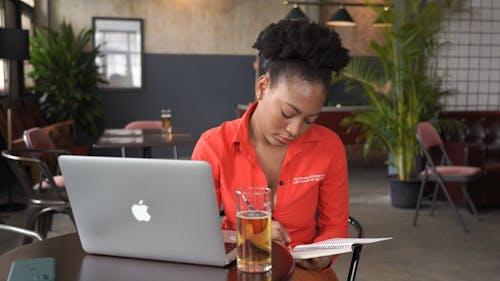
(36, 269)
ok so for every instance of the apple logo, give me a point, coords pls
(140, 211)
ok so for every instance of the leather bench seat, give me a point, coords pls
(478, 145)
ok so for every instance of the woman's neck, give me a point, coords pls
(255, 130)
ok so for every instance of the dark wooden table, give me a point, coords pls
(73, 264)
(146, 139)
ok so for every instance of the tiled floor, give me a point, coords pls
(437, 249)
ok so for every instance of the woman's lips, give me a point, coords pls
(282, 140)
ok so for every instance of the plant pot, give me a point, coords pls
(404, 194)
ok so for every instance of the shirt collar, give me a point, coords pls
(241, 134)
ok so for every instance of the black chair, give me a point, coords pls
(356, 251)
(45, 198)
(443, 172)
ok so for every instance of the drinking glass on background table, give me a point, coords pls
(253, 212)
(166, 120)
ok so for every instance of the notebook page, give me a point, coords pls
(330, 247)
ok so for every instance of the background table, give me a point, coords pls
(146, 138)
(73, 264)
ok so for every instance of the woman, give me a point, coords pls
(277, 144)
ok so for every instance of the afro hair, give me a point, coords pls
(302, 47)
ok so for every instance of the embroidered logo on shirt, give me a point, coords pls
(318, 177)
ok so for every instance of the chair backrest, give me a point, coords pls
(36, 138)
(356, 253)
(144, 124)
(428, 135)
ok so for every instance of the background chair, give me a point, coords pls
(445, 171)
(144, 125)
(140, 125)
(42, 148)
(45, 198)
(356, 251)
(38, 164)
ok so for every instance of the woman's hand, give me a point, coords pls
(315, 263)
(280, 234)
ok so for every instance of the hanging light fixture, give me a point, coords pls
(295, 13)
(341, 18)
(384, 19)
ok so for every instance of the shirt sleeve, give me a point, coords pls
(205, 152)
(333, 201)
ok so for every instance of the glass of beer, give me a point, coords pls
(253, 213)
(166, 120)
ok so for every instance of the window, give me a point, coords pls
(29, 2)
(3, 66)
(120, 41)
(27, 23)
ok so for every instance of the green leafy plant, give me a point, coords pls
(406, 89)
(66, 77)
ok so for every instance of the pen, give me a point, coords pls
(247, 202)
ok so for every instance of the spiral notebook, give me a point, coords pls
(330, 247)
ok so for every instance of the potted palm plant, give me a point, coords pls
(66, 77)
(405, 90)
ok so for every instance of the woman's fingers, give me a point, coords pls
(314, 263)
(279, 233)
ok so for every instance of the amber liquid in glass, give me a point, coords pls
(166, 122)
(254, 241)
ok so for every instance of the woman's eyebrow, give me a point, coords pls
(298, 111)
(293, 107)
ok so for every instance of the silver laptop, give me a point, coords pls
(147, 208)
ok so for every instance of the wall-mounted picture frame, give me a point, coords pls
(120, 41)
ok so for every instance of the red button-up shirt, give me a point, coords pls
(313, 178)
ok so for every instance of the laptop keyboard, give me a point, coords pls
(230, 246)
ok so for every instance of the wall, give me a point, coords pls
(179, 26)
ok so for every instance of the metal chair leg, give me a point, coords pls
(434, 196)
(420, 195)
(470, 203)
(30, 223)
(354, 265)
(460, 219)
(175, 151)
(44, 222)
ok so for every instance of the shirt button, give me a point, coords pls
(281, 183)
